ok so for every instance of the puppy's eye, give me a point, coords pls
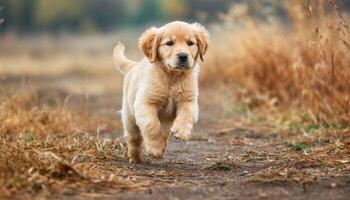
(169, 43)
(190, 43)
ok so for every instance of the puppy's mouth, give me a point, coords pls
(182, 66)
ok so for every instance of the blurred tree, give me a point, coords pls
(1, 15)
(59, 14)
(207, 10)
(150, 10)
(175, 8)
(50, 15)
(106, 14)
(18, 14)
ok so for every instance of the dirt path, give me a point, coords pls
(215, 169)
(220, 162)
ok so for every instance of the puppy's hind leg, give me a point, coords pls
(133, 140)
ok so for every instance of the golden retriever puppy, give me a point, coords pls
(161, 91)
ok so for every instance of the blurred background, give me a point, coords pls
(92, 16)
(274, 99)
(95, 16)
(85, 22)
(63, 48)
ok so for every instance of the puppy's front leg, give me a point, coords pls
(187, 115)
(147, 119)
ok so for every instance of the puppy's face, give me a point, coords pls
(176, 45)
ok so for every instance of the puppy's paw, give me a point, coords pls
(134, 157)
(135, 160)
(156, 147)
(181, 131)
(155, 152)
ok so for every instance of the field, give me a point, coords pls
(274, 115)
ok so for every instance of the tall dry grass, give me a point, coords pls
(307, 65)
(20, 115)
(41, 149)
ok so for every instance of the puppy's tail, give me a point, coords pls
(119, 59)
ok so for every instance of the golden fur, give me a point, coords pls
(161, 92)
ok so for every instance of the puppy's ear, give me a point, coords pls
(202, 37)
(148, 43)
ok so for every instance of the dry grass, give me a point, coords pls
(43, 149)
(319, 157)
(20, 115)
(307, 66)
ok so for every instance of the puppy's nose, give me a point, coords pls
(182, 57)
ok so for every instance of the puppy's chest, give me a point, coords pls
(169, 103)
